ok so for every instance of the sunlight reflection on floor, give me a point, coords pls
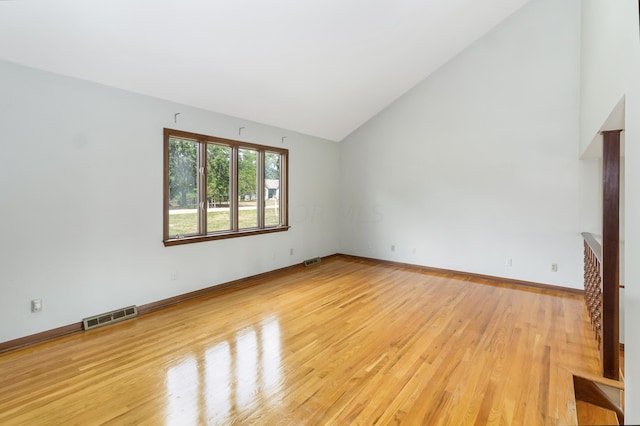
(233, 376)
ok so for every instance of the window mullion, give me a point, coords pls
(260, 190)
(202, 188)
(233, 202)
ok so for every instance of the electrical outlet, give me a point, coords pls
(508, 262)
(393, 247)
(554, 267)
(291, 251)
(36, 305)
(174, 275)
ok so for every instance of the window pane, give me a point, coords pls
(271, 189)
(183, 190)
(247, 188)
(218, 188)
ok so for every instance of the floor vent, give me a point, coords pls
(313, 261)
(110, 317)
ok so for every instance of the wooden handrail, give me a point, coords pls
(595, 246)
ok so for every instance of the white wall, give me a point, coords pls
(611, 70)
(478, 163)
(81, 200)
(632, 250)
(600, 62)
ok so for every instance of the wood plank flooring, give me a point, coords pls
(589, 414)
(343, 342)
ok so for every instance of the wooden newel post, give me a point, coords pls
(611, 255)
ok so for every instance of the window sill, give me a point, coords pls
(222, 236)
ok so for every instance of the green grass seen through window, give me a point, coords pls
(219, 221)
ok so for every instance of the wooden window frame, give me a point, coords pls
(234, 232)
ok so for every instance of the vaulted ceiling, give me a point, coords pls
(320, 67)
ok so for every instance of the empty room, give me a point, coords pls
(319, 212)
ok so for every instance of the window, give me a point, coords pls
(218, 188)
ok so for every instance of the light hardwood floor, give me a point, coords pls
(343, 342)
